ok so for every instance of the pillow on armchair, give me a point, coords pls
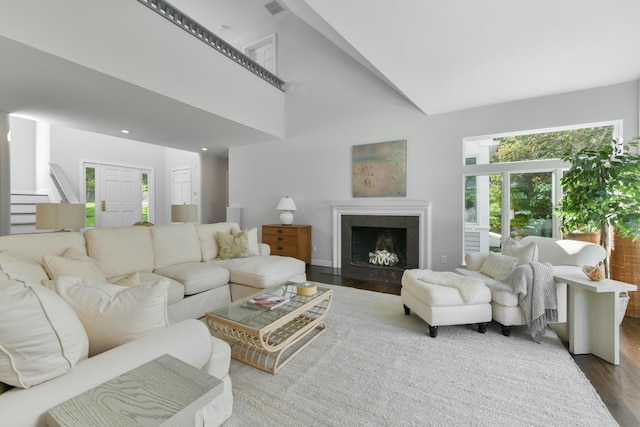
(523, 253)
(498, 266)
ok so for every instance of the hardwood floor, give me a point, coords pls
(618, 386)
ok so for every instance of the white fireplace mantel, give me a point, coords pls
(419, 208)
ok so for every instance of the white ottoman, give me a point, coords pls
(445, 298)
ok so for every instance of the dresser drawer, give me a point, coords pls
(279, 231)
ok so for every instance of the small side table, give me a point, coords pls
(288, 240)
(592, 320)
(165, 391)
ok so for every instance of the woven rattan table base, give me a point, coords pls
(271, 347)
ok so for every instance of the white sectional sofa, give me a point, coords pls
(566, 256)
(182, 259)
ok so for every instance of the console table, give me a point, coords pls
(592, 319)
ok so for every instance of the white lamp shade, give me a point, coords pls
(286, 204)
(60, 216)
(184, 213)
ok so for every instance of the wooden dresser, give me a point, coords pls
(288, 240)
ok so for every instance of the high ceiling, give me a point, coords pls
(441, 55)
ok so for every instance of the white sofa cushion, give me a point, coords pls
(35, 246)
(196, 276)
(207, 237)
(175, 244)
(113, 315)
(261, 271)
(40, 336)
(498, 266)
(18, 267)
(120, 251)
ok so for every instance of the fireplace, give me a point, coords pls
(379, 241)
(379, 247)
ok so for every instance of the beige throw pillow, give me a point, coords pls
(231, 246)
(40, 335)
(498, 266)
(113, 315)
(252, 240)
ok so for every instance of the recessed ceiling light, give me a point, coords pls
(204, 148)
(125, 131)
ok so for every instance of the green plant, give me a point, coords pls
(601, 191)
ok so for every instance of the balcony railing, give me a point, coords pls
(174, 15)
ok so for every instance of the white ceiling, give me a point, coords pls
(458, 54)
(441, 55)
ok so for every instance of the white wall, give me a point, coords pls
(338, 105)
(23, 134)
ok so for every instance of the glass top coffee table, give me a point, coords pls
(268, 339)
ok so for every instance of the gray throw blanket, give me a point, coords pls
(536, 290)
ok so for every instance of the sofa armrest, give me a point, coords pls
(265, 249)
(189, 341)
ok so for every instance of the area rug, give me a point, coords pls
(375, 366)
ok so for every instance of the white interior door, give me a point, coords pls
(181, 186)
(264, 52)
(120, 196)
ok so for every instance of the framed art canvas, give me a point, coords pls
(380, 169)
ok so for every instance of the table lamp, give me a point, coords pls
(286, 205)
(184, 213)
(60, 216)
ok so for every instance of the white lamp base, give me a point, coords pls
(286, 218)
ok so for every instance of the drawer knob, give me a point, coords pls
(280, 239)
(279, 231)
(279, 248)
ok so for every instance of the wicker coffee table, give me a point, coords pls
(269, 339)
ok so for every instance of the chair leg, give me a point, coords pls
(506, 330)
(433, 331)
(482, 327)
(407, 310)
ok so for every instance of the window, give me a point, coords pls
(90, 195)
(145, 195)
(512, 182)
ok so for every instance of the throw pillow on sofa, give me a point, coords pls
(60, 266)
(113, 315)
(498, 266)
(525, 254)
(40, 335)
(231, 246)
(252, 239)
